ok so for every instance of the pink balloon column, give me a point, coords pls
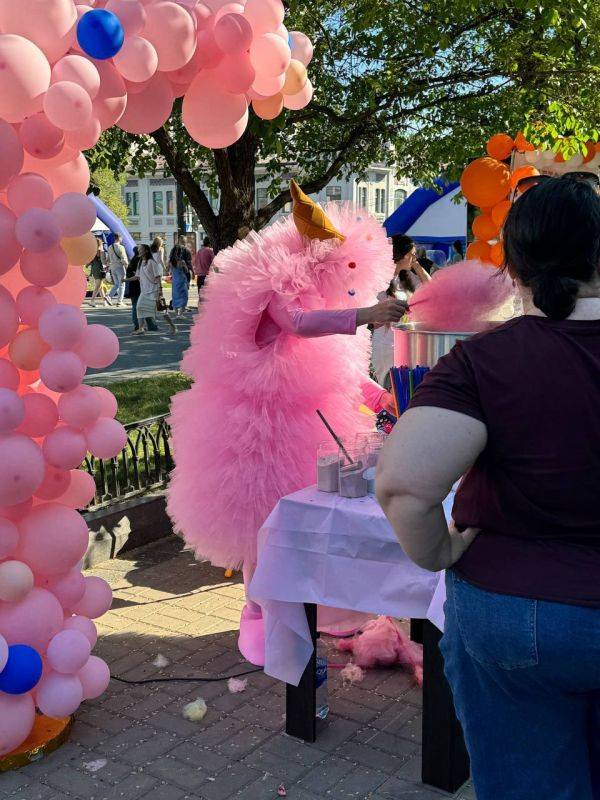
(68, 72)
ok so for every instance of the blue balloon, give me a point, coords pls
(23, 670)
(100, 34)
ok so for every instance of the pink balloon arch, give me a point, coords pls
(68, 73)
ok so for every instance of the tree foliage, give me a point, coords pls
(419, 83)
(109, 186)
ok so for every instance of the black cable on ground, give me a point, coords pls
(185, 680)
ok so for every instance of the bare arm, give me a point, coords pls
(429, 450)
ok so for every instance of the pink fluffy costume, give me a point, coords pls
(246, 433)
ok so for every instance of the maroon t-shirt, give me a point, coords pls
(535, 489)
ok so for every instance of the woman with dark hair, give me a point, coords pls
(515, 411)
(458, 252)
(409, 272)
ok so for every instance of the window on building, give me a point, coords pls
(136, 236)
(363, 196)
(157, 204)
(160, 234)
(380, 201)
(333, 194)
(262, 198)
(399, 197)
(170, 202)
(132, 202)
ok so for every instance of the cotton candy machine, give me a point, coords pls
(417, 347)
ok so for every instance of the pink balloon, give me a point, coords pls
(233, 34)
(171, 30)
(131, 14)
(228, 8)
(235, 74)
(44, 269)
(37, 230)
(16, 581)
(9, 318)
(187, 73)
(208, 53)
(83, 625)
(302, 48)
(29, 190)
(149, 109)
(9, 378)
(54, 539)
(67, 105)
(97, 598)
(108, 402)
(32, 621)
(283, 32)
(11, 249)
(9, 541)
(65, 448)
(56, 482)
(62, 371)
(40, 137)
(24, 78)
(111, 100)
(81, 490)
(264, 15)
(48, 23)
(70, 176)
(17, 715)
(94, 677)
(68, 588)
(137, 60)
(79, 70)
(98, 348)
(68, 652)
(62, 326)
(12, 410)
(203, 16)
(267, 86)
(136, 88)
(47, 166)
(27, 349)
(81, 407)
(270, 55)
(41, 415)
(11, 153)
(72, 288)
(32, 302)
(106, 438)
(59, 696)
(84, 138)
(295, 102)
(23, 468)
(3, 653)
(17, 512)
(76, 214)
(227, 120)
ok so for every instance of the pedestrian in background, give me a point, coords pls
(180, 269)
(203, 262)
(117, 261)
(98, 274)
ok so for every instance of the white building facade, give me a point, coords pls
(152, 201)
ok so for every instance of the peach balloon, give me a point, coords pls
(80, 250)
(40, 137)
(266, 86)
(187, 73)
(44, 269)
(171, 30)
(24, 78)
(270, 55)
(28, 190)
(81, 490)
(16, 581)
(295, 78)
(72, 288)
(109, 104)
(71, 176)
(131, 14)
(150, 109)
(67, 105)
(269, 108)
(137, 60)
(227, 120)
(84, 138)
(48, 23)
(233, 34)
(208, 54)
(76, 214)
(11, 153)
(11, 247)
(264, 15)
(79, 70)
(235, 74)
(296, 102)
(27, 349)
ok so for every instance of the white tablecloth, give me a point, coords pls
(325, 549)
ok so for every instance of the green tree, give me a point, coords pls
(421, 83)
(109, 185)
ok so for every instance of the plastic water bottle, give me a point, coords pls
(322, 691)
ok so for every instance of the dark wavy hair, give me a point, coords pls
(552, 242)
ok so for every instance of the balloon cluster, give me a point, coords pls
(489, 182)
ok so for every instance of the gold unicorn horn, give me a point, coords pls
(310, 218)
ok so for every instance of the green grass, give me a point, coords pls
(141, 398)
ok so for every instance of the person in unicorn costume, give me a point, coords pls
(280, 334)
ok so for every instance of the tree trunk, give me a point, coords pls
(236, 168)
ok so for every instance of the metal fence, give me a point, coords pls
(143, 464)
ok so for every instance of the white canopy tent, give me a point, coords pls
(444, 221)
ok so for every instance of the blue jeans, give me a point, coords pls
(134, 316)
(525, 675)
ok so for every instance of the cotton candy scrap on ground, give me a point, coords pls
(160, 662)
(352, 673)
(196, 710)
(95, 766)
(282, 791)
(237, 685)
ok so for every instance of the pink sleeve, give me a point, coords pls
(291, 318)
(373, 394)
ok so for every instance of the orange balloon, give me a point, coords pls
(522, 145)
(80, 250)
(295, 78)
(497, 254)
(269, 108)
(479, 251)
(523, 172)
(500, 146)
(485, 182)
(485, 228)
(500, 212)
(591, 152)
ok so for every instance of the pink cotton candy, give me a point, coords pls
(352, 673)
(464, 297)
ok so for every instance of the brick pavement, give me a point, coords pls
(134, 743)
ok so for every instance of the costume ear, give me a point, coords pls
(310, 218)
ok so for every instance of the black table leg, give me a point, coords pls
(301, 700)
(445, 761)
(416, 630)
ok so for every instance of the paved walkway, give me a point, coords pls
(134, 743)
